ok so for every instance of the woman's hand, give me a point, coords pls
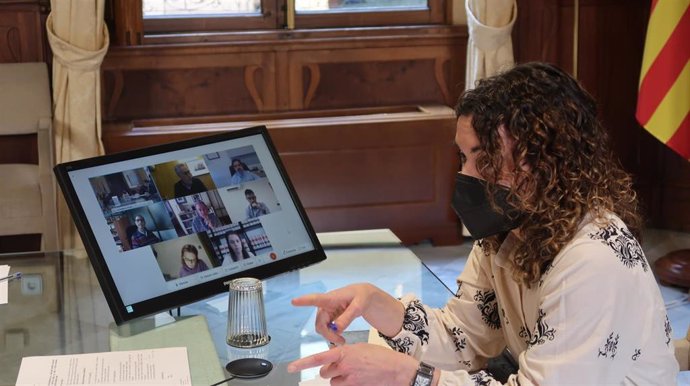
(343, 305)
(361, 364)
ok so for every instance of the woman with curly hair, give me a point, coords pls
(556, 275)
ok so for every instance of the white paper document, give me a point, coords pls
(163, 366)
(4, 271)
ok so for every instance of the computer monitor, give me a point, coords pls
(168, 225)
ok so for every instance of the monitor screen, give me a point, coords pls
(167, 225)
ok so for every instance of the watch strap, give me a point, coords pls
(424, 376)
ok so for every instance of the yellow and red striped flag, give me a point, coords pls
(663, 104)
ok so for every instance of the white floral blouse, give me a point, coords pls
(596, 317)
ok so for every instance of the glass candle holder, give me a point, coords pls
(246, 314)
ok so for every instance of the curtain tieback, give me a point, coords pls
(73, 57)
(485, 37)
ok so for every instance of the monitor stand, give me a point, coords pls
(145, 324)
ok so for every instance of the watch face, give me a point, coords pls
(422, 381)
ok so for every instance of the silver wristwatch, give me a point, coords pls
(425, 374)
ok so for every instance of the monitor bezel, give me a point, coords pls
(200, 291)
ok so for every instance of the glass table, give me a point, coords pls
(58, 308)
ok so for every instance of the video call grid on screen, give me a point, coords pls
(173, 220)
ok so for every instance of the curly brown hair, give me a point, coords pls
(564, 168)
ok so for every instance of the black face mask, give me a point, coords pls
(472, 205)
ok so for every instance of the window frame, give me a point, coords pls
(433, 14)
(269, 18)
(274, 17)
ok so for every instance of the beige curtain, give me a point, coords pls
(489, 47)
(79, 39)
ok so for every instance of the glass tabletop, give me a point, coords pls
(57, 307)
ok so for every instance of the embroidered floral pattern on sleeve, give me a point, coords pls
(542, 331)
(608, 350)
(504, 317)
(459, 338)
(525, 334)
(416, 321)
(667, 330)
(637, 354)
(402, 345)
(623, 244)
(488, 306)
(467, 364)
(481, 378)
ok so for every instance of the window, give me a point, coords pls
(154, 8)
(208, 15)
(172, 16)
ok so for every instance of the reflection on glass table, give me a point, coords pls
(62, 309)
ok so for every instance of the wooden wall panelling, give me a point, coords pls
(675, 192)
(187, 81)
(393, 170)
(383, 175)
(415, 68)
(126, 17)
(22, 32)
(536, 34)
(282, 72)
(343, 96)
(611, 35)
(359, 77)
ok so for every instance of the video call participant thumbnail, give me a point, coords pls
(238, 248)
(239, 172)
(187, 184)
(203, 219)
(191, 263)
(142, 236)
(255, 208)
